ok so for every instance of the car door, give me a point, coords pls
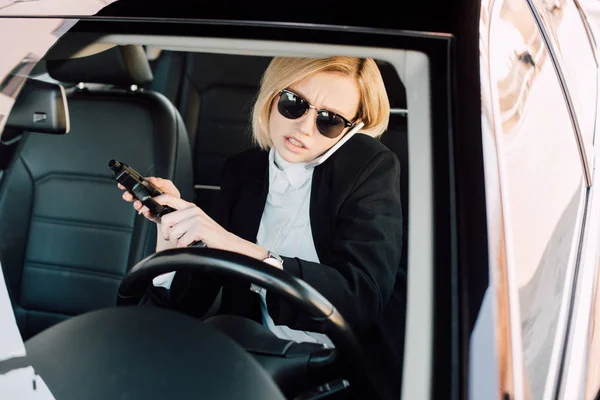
(540, 146)
(569, 30)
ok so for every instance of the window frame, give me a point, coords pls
(434, 350)
(549, 39)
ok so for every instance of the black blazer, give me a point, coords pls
(356, 222)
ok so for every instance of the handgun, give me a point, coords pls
(139, 187)
(142, 190)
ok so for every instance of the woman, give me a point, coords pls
(337, 225)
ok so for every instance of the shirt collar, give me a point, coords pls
(285, 172)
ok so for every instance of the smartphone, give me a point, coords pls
(321, 159)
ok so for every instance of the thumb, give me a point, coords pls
(164, 185)
(173, 201)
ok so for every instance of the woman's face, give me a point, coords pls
(299, 140)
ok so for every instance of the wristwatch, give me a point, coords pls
(274, 260)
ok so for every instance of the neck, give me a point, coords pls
(283, 164)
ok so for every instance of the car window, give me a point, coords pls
(576, 52)
(132, 120)
(541, 182)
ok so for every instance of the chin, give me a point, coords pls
(291, 157)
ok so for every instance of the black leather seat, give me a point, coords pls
(67, 236)
(215, 94)
(396, 139)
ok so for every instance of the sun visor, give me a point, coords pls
(40, 107)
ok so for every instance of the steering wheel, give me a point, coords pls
(365, 377)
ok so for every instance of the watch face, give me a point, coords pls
(272, 261)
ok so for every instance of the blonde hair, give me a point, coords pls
(283, 72)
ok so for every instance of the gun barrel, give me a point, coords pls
(115, 165)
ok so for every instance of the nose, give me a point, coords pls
(306, 124)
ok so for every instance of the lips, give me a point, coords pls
(295, 141)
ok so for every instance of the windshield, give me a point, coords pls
(187, 118)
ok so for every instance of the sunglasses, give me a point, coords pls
(292, 106)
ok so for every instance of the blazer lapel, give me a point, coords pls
(237, 297)
(320, 209)
(253, 196)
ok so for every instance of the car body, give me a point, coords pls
(496, 102)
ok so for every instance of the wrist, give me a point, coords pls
(258, 252)
(249, 249)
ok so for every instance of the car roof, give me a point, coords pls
(440, 16)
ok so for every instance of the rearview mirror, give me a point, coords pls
(40, 107)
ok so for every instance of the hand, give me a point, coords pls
(164, 185)
(190, 224)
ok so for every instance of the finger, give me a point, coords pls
(127, 196)
(187, 239)
(146, 213)
(177, 223)
(120, 186)
(164, 185)
(167, 185)
(171, 219)
(190, 226)
(174, 202)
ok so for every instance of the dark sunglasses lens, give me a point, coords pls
(330, 124)
(291, 106)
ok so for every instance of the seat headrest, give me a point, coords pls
(120, 65)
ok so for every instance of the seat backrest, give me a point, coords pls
(216, 97)
(396, 139)
(67, 236)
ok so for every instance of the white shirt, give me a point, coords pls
(285, 230)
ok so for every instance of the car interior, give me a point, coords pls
(70, 239)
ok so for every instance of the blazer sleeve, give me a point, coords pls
(358, 269)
